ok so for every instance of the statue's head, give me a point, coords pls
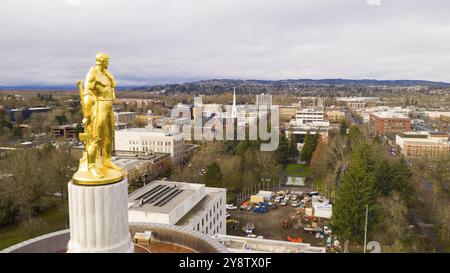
(102, 59)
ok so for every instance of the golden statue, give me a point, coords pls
(97, 96)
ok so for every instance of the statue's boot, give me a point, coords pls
(96, 172)
(109, 164)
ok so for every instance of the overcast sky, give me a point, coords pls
(158, 41)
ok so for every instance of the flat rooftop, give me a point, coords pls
(199, 209)
(389, 114)
(162, 196)
(129, 163)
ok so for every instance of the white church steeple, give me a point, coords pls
(234, 109)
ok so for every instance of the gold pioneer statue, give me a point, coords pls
(97, 96)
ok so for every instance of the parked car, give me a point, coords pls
(295, 204)
(283, 203)
(230, 207)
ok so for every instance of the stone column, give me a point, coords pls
(99, 218)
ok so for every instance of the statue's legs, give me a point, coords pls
(107, 143)
(98, 136)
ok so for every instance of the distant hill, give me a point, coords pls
(364, 82)
(367, 82)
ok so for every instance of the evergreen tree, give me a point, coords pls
(308, 148)
(354, 193)
(354, 137)
(383, 176)
(283, 149)
(315, 141)
(402, 180)
(213, 176)
(293, 150)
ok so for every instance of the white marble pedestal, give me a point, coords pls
(99, 218)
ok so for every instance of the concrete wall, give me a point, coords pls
(48, 243)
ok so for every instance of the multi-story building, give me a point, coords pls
(288, 112)
(150, 140)
(64, 131)
(383, 123)
(124, 117)
(356, 105)
(190, 205)
(422, 143)
(141, 168)
(310, 114)
(264, 99)
(335, 116)
(19, 114)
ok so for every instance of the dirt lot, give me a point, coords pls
(269, 224)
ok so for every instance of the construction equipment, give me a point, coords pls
(295, 239)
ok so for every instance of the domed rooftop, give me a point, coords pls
(165, 239)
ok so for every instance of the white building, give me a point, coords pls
(150, 140)
(322, 207)
(183, 204)
(308, 115)
(264, 99)
(365, 112)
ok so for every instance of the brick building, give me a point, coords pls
(383, 123)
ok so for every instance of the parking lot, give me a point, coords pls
(270, 224)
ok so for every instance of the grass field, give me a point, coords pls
(318, 185)
(297, 170)
(15, 233)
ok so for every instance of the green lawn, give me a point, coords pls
(15, 233)
(318, 185)
(297, 170)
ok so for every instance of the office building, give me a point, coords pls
(150, 140)
(422, 143)
(189, 205)
(387, 122)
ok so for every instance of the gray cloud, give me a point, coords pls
(54, 42)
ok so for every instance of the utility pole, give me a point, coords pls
(365, 229)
